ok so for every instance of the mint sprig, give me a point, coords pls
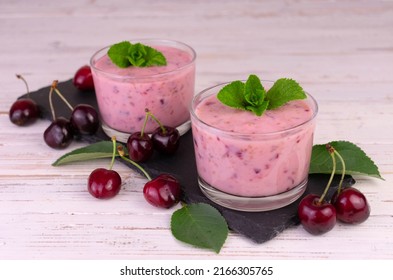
(125, 54)
(251, 95)
(254, 93)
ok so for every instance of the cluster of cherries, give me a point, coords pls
(347, 205)
(163, 191)
(84, 118)
(164, 139)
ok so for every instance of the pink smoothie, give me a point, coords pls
(243, 154)
(124, 93)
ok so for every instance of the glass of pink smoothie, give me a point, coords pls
(248, 162)
(123, 94)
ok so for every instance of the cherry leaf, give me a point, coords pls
(356, 160)
(102, 149)
(200, 225)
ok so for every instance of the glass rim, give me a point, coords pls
(166, 42)
(247, 135)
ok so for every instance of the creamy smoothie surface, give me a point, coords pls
(255, 164)
(123, 94)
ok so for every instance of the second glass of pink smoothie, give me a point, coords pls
(248, 162)
(123, 94)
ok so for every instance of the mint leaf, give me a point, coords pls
(137, 55)
(260, 109)
(356, 160)
(245, 96)
(119, 53)
(232, 95)
(283, 91)
(200, 225)
(103, 149)
(125, 54)
(254, 92)
(154, 57)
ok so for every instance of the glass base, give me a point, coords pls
(252, 204)
(123, 136)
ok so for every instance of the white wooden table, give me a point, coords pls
(340, 51)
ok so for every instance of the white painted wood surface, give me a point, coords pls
(340, 51)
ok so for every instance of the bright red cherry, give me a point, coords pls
(166, 139)
(317, 218)
(140, 147)
(24, 112)
(83, 79)
(84, 119)
(351, 206)
(104, 183)
(163, 191)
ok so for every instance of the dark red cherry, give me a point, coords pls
(166, 142)
(83, 79)
(84, 119)
(24, 112)
(351, 206)
(317, 218)
(104, 183)
(163, 191)
(140, 147)
(59, 134)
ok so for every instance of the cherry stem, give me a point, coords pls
(145, 122)
(343, 171)
(54, 85)
(121, 152)
(27, 86)
(148, 113)
(51, 103)
(331, 153)
(113, 152)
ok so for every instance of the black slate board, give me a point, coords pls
(257, 226)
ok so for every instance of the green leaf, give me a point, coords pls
(232, 95)
(125, 54)
(154, 57)
(200, 225)
(119, 52)
(283, 91)
(356, 160)
(252, 96)
(254, 92)
(103, 149)
(260, 109)
(137, 55)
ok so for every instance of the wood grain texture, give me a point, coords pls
(340, 51)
